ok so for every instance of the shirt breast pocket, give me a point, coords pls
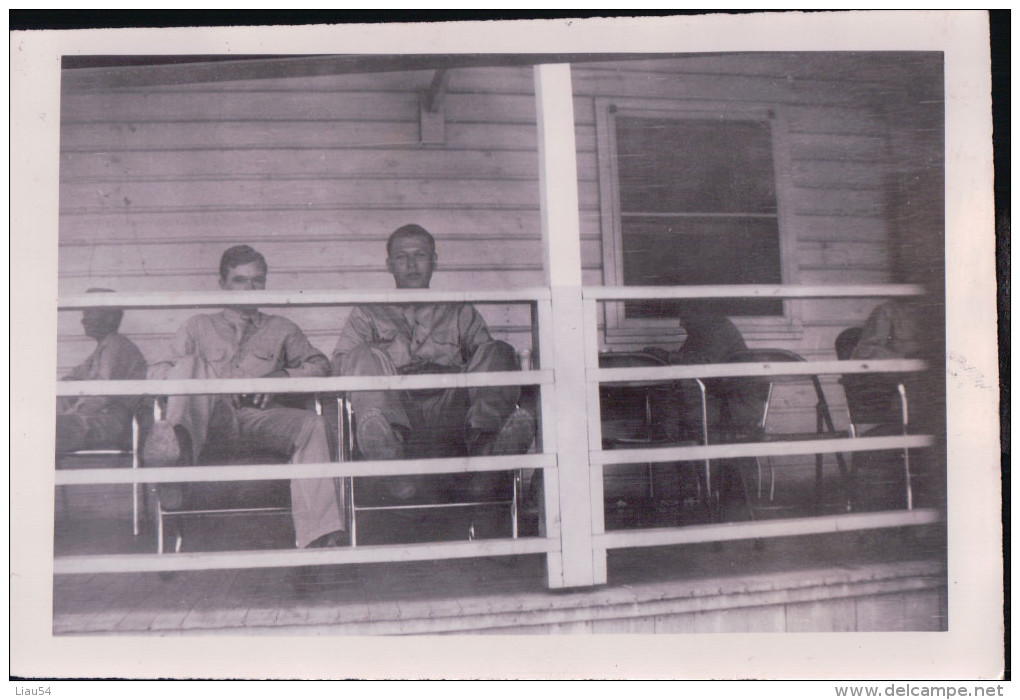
(214, 355)
(260, 361)
(447, 346)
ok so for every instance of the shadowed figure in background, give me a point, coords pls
(892, 331)
(242, 342)
(100, 422)
(429, 339)
(711, 339)
(730, 405)
(902, 329)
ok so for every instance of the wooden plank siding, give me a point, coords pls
(315, 171)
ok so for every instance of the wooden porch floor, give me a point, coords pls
(678, 589)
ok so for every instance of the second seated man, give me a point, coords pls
(397, 339)
(101, 422)
(242, 342)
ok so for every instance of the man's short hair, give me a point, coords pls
(410, 231)
(239, 255)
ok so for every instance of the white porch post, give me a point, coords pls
(561, 237)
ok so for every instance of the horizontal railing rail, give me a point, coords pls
(752, 291)
(759, 449)
(754, 369)
(317, 470)
(269, 558)
(763, 529)
(300, 385)
(290, 298)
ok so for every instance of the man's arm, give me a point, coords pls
(79, 373)
(302, 359)
(181, 344)
(110, 360)
(473, 331)
(357, 331)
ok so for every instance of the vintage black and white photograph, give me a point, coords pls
(554, 342)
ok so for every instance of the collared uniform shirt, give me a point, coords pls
(240, 347)
(115, 357)
(446, 334)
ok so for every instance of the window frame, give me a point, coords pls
(620, 330)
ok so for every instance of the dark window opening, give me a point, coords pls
(698, 207)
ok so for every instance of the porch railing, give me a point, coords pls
(563, 492)
(602, 541)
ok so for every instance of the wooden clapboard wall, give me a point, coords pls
(315, 172)
(158, 179)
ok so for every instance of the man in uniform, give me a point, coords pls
(424, 339)
(100, 422)
(242, 342)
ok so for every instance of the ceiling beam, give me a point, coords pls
(84, 73)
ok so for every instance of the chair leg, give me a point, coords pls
(757, 463)
(135, 505)
(160, 527)
(905, 415)
(747, 492)
(135, 500)
(818, 482)
(513, 504)
(352, 517)
(65, 501)
(906, 477)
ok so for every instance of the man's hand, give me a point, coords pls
(259, 400)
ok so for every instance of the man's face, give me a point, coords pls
(99, 323)
(248, 277)
(411, 262)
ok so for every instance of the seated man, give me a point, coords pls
(100, 422)
(429, 338)
(711, 339)
(901, 329)
(729, 405)
(242, 342)
(892, 331)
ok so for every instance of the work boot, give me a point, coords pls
(376, 437)
(308, 580)
(516, 435)
(513, 438)
(162, 448)
(168, 446)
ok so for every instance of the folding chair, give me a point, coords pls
(360, 496)
(628, 409)
(879, 401)
(751, 398)
(75, 458)
(219, 499)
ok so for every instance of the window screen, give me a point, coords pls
(697, 207)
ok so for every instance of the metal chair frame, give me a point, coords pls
(162, 513)
(823, 417)
(345, 432)
(652, 360)
(845, 343)
(133, 453)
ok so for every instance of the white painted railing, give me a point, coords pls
(574, 540)
(585, 399)
(599, 457)
(537, 298)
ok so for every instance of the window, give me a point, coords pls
(690, 198)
